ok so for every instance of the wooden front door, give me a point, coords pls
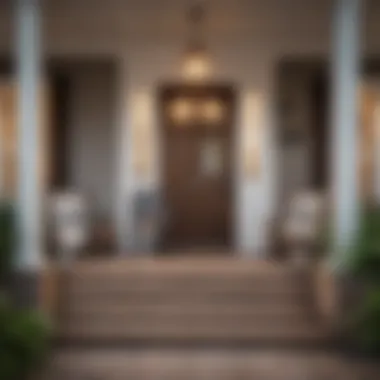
(197, 166)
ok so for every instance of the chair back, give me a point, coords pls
(69, 221)
(305, 217)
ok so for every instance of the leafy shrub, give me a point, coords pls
(24, 341)
(7, 239)
(364, 268)
(364, 259)
(366, 323)
(24, 334)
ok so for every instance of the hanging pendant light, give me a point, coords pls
(196, 60)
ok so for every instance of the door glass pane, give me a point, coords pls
(211, 158)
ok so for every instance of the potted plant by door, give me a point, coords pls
(363, 291)
(24, 342)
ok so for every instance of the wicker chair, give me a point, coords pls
(69, 224)
(302, 227)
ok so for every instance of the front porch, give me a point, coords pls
(94, 102)
(211, 164)
(115, 155)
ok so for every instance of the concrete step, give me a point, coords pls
(186, 300)
(190, 321)
(190, 283)
(201, 332)
(173, 310)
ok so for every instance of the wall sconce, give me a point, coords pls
(252, 136)
(142, 155)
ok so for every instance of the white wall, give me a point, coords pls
(246, 41)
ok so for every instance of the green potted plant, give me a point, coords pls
(363, 267)
(366, 324)
(24, 341)
(364, 258)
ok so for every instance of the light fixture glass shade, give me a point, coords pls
(196, 64)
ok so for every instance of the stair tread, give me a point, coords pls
(146, 333)
(191, 308)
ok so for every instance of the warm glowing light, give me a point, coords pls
(181, 111)
(213, 111)
(252, 134)
(196, 66)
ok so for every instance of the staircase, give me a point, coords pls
(188, 301)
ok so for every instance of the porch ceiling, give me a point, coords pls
(236, 21)
(167, 17)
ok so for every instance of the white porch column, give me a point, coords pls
(345, 75)
(28, 71)
(122, 211)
